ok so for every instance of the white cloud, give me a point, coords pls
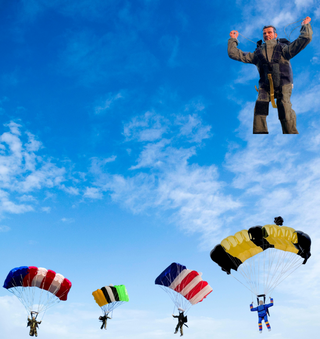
(4, 228)
(148, 127)
(23, 171)
(93, 193)
(164, 178)
(105, 104)
(67, 220)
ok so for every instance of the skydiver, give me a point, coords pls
(182, 319)
(262, 310)
(272, 57)
(104, 321)
(33, 323)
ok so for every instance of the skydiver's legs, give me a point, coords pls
(176, 330)
(267, 322)
(260, 324)
(181, 330)
(287, 115)
(261, 111)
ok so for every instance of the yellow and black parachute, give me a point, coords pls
(263, 255)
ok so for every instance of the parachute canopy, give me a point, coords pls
(110, 297)
(263, 255)
(185, 287)
(25, 280)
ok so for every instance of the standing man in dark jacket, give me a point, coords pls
(272, 59)
(262, 310)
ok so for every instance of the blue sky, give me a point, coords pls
(126, 144)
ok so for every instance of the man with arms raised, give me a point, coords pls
(272, 59)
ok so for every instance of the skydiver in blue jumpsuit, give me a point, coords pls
(262, 310)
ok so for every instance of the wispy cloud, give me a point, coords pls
(67, 220)
(104, 104)
(4, 228)
(23, 171)
(165, 179)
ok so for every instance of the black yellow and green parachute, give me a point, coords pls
(110, 297)
(263, 256)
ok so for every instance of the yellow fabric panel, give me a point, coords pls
(282, 237)
(99, 298)
(240, 246)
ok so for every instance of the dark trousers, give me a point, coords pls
(286, 114)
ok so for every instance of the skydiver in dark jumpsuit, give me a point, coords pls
(273, 57)
(262, 310)
(33, 323)
(104, 321)
(181, 321)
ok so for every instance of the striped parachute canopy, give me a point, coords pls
(185, 287)
(110, 297)
(37, 288)
(263, 256)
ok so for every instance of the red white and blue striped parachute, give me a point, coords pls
(37, 288)
(185, 287)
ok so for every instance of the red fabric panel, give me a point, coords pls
(202, 284)
(27, 280)
(46, 282)
(186, 281)
(62, 294)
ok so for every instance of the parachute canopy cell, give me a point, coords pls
(110, 294)
(36, 287)
(236, 249)
(42, 278)
(185, 282)
(269, 252)
(110, 297)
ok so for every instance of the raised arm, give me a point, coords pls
(271, 303)
(252, 309)
(301, 42)
(235, 53)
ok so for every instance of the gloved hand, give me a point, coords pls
(306, 20)
(235, 34)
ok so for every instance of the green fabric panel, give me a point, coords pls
(122, 292)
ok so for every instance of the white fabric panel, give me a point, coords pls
(56, 283)
(37, 280)
(199, 296)
(193, 283)
(179, 278)
(110, 293)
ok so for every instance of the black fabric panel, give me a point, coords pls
(303, 245)
(262, 108)
(106, 294)
(224, 260)
(256, 236)
(115, 293)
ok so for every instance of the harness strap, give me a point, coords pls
(271, 91)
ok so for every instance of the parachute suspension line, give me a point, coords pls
(242, 283)
(292, 29)
(285, 277)
(276, 259)
(272, 262)
(292, 262)
(247, 38)
(295, 264)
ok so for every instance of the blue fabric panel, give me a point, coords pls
(169, 274)
(15, 277)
